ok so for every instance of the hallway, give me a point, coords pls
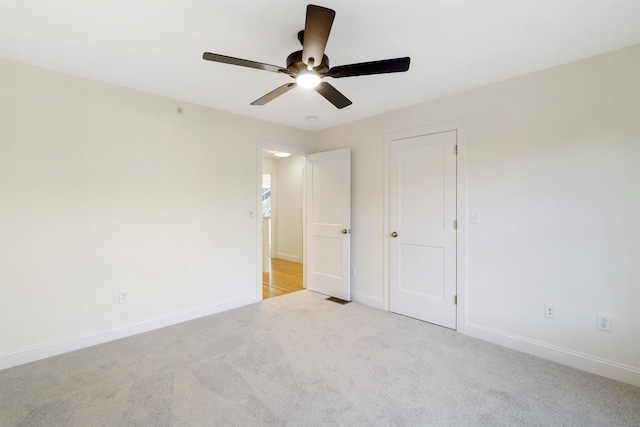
(284, 277)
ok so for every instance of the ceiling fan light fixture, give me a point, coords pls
(308, 80)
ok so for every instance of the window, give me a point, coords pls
(266, 194)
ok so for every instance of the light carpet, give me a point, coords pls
(300, 360)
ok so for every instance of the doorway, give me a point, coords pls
(282, 201)
(326, 269)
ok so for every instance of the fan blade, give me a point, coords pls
(243, 62)
(316, 33)
(396, 65)
(332, 95)
(274, 94)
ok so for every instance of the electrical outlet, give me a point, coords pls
(604, 322)
(124, 297)
(549, 312)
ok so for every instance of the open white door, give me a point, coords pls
(423, 227)
(328, 226)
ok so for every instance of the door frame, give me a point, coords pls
(460, 127)
(296, 151)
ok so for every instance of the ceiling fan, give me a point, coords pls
(310, 65)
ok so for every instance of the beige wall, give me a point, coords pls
(553, 166)
(107, 189)
(289, 217)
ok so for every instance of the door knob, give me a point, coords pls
(344, 231)
(394, 234)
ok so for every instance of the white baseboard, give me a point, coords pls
(288, 257)
(595, 365)
(367, 300)
(32, 354)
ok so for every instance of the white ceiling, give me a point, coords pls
(157, 46)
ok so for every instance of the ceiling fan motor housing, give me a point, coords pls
(295, 64)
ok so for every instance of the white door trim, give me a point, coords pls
(295, 150)
(460, 127)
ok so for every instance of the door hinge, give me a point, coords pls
(455, 299)
(455, 224)
(455, 150)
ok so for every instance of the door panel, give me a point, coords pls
(326, 178)
(329, 223)
(423, 214)
(330, 266)
(422, 275)
(422, 183)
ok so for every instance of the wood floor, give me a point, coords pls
(284, 277)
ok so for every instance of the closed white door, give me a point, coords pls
(328, 224)
(422, 217)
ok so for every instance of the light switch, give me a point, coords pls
(475, 217)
